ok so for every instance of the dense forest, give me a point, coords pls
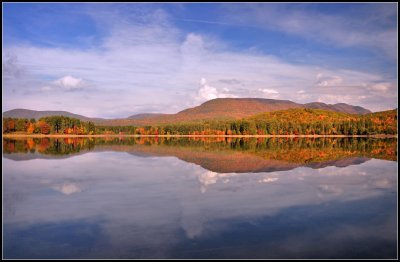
(284, 122)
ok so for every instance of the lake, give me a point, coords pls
(200, 198)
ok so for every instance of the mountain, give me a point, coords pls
(340, 107)
(242, 107)
(145, 116)
(220, 108)
(233, 108)
(236, 107)
(26, 113)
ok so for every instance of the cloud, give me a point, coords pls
(69, 82)
(144, 61)
(383, 87)
(11, 69)
(66, 83)
(269, 93)
(370, 26)
(207, 92)
(328, 81)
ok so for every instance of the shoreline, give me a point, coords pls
(229, 136)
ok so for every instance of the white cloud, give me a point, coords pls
(207, 92)
(66, 83)
(69, 82)
(203, 81)
(269, 93)
(328, 81)
(381, 87)
(155, 66)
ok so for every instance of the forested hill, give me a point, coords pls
(26, 113)
(295, 121)
(340, 107)
(234, 108)
(220, 108)
(318, 121)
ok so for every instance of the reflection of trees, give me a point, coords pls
(294, 150)
(47, 145)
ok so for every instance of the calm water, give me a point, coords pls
(200, 198)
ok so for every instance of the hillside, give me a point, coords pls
(145, 116)
(319, 121)
(231, 108)
(26, 113)
(341, 107)
(236, 107)
(303, 115)
(216, 109)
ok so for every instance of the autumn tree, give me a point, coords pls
(44, 127)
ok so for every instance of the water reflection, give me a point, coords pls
(222, 155)
(324, 201)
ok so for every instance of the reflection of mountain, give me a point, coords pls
(219, 154)
(239, 162)
(340, 162)
(30, 156)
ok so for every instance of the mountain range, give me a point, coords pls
(27, 113)
(220, 108)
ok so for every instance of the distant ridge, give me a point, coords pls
(27, 113)
(236, 108)
(146, 115)
(340, 107)
(220, 108)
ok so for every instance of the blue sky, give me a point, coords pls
(114, 60)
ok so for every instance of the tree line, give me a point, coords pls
(49, 125)
(284, 122)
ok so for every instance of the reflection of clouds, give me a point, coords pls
(329, 189)
(382, 183)
(138, 198)
(209, 177)
(298, 187)
(193, 227)
(68, 188)
(268, 180)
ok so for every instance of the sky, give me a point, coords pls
(115, 60)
